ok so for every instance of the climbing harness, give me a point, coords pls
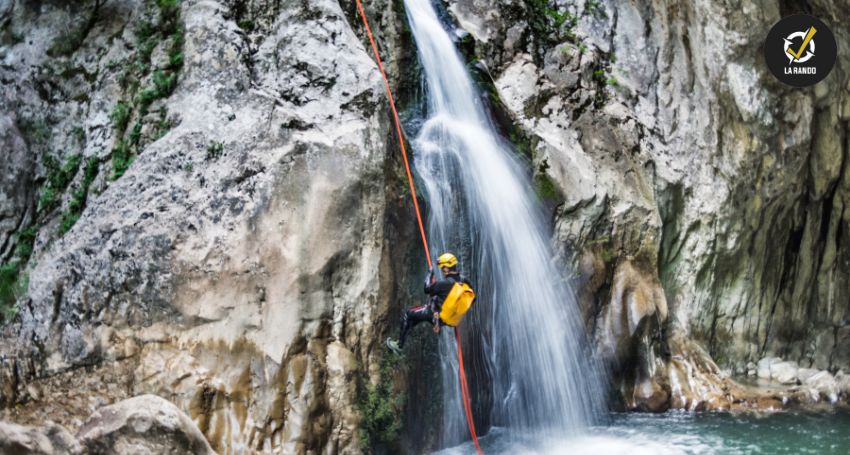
(467, 408)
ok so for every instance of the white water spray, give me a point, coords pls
(525, 325)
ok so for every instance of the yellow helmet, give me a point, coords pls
(447, 260)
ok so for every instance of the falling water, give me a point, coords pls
(525, 324)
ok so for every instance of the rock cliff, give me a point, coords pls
(201, 202)
(700, 201)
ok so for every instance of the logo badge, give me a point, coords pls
(800, 50)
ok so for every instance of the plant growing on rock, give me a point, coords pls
(80, 195)
(214, 150)
(381, 406)
(162, 26)
(13, 282)
(58, 178)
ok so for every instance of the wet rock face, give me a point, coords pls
(233, 244)
(670, 145)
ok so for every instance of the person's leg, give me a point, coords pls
(412, 317)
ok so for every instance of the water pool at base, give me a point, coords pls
(676, 433)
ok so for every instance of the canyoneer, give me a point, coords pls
(449, 299)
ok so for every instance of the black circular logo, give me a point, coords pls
(800, 50)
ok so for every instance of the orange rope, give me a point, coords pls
(467, 408)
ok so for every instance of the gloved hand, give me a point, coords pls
(429, 277)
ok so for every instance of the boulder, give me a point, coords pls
(806, 373)
(784, 372)
(46, 440)
(842, 381)
(764, 366)
(144, 424)
(825, 385)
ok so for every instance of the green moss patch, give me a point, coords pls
(381, 406)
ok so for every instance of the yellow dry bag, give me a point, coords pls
(457, 303)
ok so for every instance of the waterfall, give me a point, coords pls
(525, 323)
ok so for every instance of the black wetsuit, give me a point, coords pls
(438, 290)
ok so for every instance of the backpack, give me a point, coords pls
(457, 303)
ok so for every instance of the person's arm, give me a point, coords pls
(429, 282)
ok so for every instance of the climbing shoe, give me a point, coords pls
(393, 346)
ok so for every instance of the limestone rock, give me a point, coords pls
(251, 229)
(825, 384)
(784, 372)
(51, 439)
(731, 187)
(142, 425)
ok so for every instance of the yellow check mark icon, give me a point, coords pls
(799, 53)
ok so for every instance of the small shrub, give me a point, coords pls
(58, 179)
(12, 286)
(145, 29)
(188, 167)
(168, 7)
(121, 159)
(164, 125)
(47, 198)
(146, 48)
(595, 9)
(17, 37)
(136, 133)
(120, 116)
(68, 221)
(26, 240)
(246, 24)
(175, 60)
(164, 81)
(91, 171)
(215, 150)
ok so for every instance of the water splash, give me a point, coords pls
(525, 326)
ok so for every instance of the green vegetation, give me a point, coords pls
(164, 125)
(121, 159)
(545, 188)
(215, 150)
(12, 286)
(120, 115)
(545, 19)
(58, 178)
(604, 78)
(247, 25)
(381, 406)
(16, 37)
(13, 283)
(144, 88)
(35, 130)
(80, 195)
(595, 8)
(136, 134)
